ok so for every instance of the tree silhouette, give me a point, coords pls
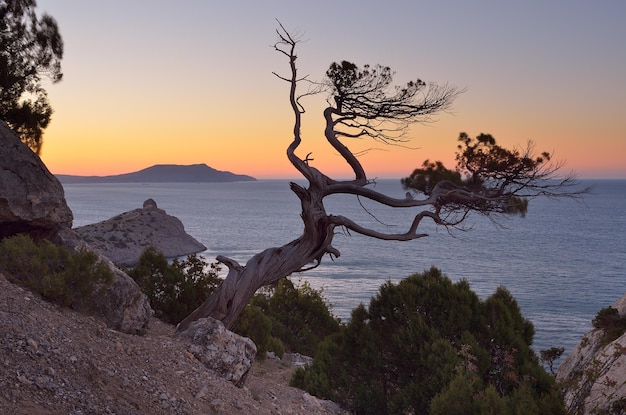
(30, 48)
(363, 103)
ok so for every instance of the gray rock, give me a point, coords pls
(593, 375)
(227, 354)
(124, 237)
(123, 306)
(31, 199)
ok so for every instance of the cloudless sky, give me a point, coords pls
(160, 82)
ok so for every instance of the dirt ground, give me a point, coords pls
(56, 361)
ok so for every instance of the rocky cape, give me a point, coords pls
(124, 237)
(163, 173)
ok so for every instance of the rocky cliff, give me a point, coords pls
(31, 199)
(593, 375)
(124, 237)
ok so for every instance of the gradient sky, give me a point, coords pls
(158, 82)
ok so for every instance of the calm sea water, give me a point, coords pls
(563, 262)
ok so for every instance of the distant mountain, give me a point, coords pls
(163, 173)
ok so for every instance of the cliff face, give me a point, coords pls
(594, 374)
(124, 237)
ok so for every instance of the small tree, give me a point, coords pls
(176, 289)
(363, 103)
(292, 318)
(30, 48)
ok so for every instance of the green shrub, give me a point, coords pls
(253, 323)
(59, 275)
(174, 290)
(427, 345)
(609, 320)
(298, 315)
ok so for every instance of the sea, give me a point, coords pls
(563, 262)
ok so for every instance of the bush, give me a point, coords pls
(298, 318)
(59, 275)
(174, 290)
(609, 320)
(427, 345)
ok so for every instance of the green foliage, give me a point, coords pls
(426, 178)
(287, 317)
(427, 345)
(488, 179)
(174, 290)
(60, 276)
(609, 320)
(30, 47)
(481, 159)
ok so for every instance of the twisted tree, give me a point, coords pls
(363, 103)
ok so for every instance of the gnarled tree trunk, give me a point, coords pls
(271, 265)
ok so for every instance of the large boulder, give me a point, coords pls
(227, 354)
(31, 199)
(593, 376)
(124, 237)
(32, 202)
(122, 306)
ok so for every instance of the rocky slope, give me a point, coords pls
(124, 237)
(56, 361)
(594, 374)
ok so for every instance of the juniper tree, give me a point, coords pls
(364, 103)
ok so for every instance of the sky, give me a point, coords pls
(159, 82)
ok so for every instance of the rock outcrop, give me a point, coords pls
(31, 199)
(593, 375)
(124, 237)
(227, 354)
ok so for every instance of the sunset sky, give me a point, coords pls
(159, 82)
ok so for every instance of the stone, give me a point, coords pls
(227, 354)
(124, 237)
(32, 200)
(123, 306)
(593, 375)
